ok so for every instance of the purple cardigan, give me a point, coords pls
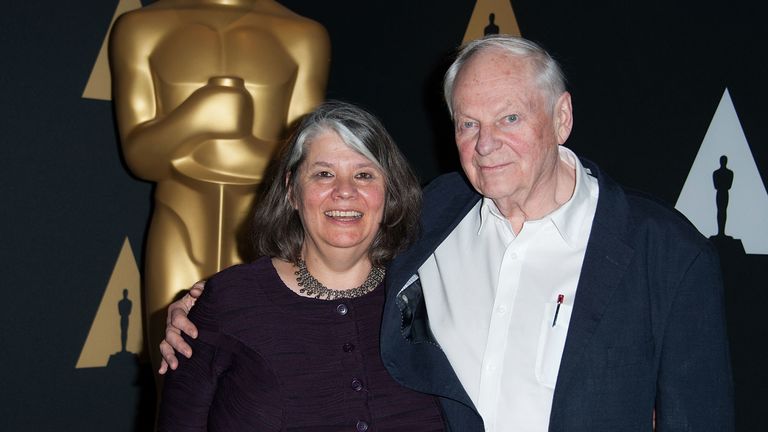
(267, 359)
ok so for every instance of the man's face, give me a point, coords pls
(505, 131)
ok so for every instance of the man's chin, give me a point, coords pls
(496, 189)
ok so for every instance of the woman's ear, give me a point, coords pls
(289, 194)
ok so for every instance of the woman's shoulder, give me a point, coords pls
(254, 269)
(233, 283)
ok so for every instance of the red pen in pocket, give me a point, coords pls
(560, 299)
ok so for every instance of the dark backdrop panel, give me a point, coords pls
(646, 78)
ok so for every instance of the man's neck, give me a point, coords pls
(547, 196)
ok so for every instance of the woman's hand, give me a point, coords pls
(176, 322)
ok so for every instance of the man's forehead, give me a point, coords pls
(489, 88)
(499, 61)
(495, 68)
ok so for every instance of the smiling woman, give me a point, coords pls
(342, 203)
(339, 136)
(340, 196)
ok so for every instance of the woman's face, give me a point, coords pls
(341, 202)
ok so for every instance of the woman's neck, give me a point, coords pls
(337, 269)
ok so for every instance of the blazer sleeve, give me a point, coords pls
(695, 388)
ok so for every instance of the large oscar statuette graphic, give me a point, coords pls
(203, 91)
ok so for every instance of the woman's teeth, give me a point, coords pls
(344, 214)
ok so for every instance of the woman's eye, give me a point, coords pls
(364, 175)
(511, 118)
(324, 174)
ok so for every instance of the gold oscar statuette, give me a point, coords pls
(203, 92)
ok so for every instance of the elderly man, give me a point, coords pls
(541, 295)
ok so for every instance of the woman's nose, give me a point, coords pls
(345, 189)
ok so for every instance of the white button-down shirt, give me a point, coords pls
(492, 298)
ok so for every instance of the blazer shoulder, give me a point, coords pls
(653, 213)
(447, 192)
(631, 211)
(448, 182)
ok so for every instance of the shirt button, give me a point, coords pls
(348, 347)
(342, 309)
(357, 385)
(513, 255)
(502, 309)
(361, 426)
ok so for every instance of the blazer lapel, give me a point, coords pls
(446, 201)
(605, 263)
(423, 366)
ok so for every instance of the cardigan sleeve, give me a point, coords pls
(189, 390)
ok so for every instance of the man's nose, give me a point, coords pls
(487, 141)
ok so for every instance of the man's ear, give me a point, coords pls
(563, 117)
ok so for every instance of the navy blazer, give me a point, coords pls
(647, 329)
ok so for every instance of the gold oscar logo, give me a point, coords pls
(99, 84)
(491, 17)
(116, 331)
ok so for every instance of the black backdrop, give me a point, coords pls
(646, 78)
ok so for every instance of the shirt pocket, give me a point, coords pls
(551, 343)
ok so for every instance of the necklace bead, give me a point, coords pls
(314, 288)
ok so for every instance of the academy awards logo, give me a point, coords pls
(724, 195)
(491, 17)
(116, 335)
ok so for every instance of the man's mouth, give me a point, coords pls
(493, 167)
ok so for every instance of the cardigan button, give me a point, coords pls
(342, 309)
(361, 426)
(357, 385)
(348, 347)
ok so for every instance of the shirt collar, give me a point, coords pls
(569, 218)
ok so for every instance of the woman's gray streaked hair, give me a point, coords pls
(277, 228)
(333, 116)
(549, 74)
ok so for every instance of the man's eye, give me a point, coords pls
(511, 118)
(467, 124)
